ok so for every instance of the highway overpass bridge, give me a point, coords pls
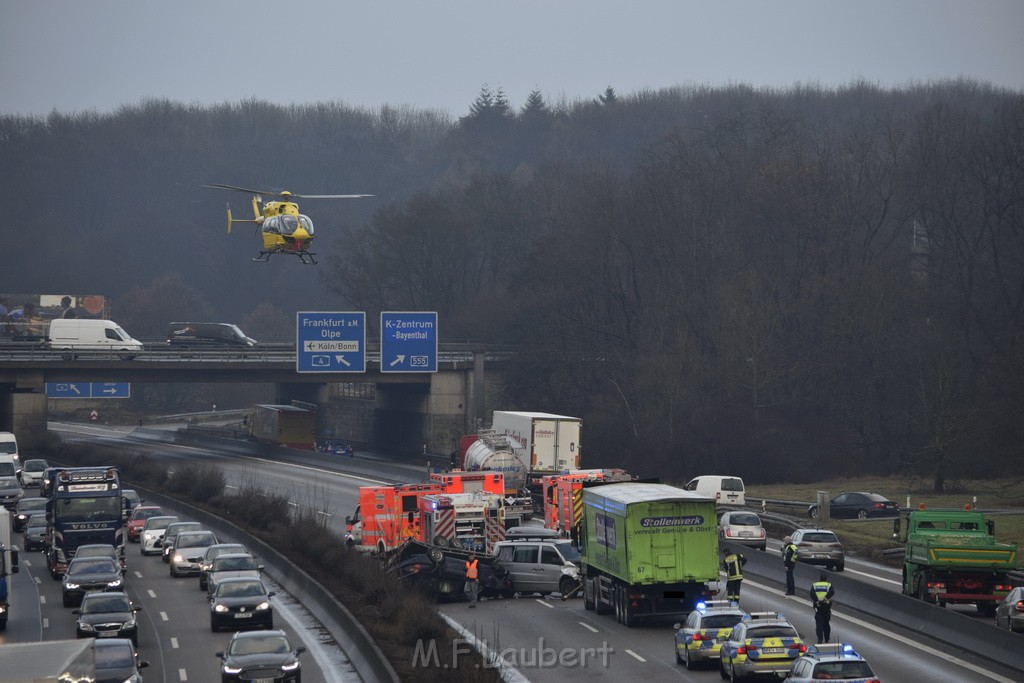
(437, 405)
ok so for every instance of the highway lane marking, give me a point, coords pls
(42, 599)
(138, 574)
(36, 579)
(163, 615)
(182, 675)
(588, 627)
(174, 643)
(46, 622)
(872, 577)
(630, 652)
(151, 592)
(895, 636)
(508, 673)
(545, 603)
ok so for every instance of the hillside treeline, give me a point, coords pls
(780, 284)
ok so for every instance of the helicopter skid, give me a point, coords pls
(304, 256)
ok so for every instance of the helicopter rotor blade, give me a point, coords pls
(219, 186)
(331, 196)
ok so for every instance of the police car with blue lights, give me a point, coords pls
(762, 644)
(700, 639)
(834, 662)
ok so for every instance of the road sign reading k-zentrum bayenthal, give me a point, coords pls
(408, 341)
(330, 342)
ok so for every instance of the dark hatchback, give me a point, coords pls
(107, 615)
(90, 574)
(261, 656)
(34, 533)
(241, 603)
(858, 506)
(117, 661)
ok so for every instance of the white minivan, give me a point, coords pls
(82, 334)
(724, 490)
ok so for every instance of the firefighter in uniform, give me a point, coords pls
(471, 579)
(733, 563)
(822, 593)
(789, 551)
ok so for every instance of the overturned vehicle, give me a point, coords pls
(441, 572)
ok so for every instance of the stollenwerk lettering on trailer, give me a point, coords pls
(330, 342)
(408, 341)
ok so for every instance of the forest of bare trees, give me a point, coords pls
(782, 284)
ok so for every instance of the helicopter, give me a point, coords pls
(283, 228)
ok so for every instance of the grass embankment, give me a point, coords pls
(396, 617)
(868, 539)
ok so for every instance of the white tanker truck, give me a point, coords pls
(492, 452)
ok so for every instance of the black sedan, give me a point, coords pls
(34, 532)
(261, 655)
(858, 506)
(25, 508)
(107, 615)
(90, 574)
(241, 603)
(442, 574)
(117, 662)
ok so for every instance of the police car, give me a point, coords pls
(763, 643)
(700, 639)
(835, 662)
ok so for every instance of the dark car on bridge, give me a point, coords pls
(858, 506)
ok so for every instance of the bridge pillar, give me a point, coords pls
(23, 409)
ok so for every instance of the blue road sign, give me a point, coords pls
(330, 342)
(408, 341)
(88, 390)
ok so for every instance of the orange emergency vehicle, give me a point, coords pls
(470, 521)
(387, 516)
(563, 495)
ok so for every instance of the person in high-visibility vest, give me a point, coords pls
(472, 574)
(822, 594)
(733, 563)
(789, 552)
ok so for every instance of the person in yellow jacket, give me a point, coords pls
(822, 594)
(789, 555)
(472, 576)
(733, 563)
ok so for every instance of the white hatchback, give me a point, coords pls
(152, 532)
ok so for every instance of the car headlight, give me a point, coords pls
(232, 669)
(179, 558)
(71, 586)
(129, 624)
(219, 608)
(85, 627)
(290, 667)
(263, 606)
(114, 584)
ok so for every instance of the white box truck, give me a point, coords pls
(71, 335)
(550, 443)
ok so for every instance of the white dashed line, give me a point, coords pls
(42, 599)
(152, 593)
(46, 623)
(545, 603)
(587, 626)
(630, 652)
(182, 675)
(174, 643)
(163, 615)
(37, 580)
(138, 574)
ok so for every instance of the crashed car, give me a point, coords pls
(441, 573)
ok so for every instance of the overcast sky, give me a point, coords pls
(74, 55)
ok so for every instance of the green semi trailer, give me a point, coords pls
(952, 556)
(649, 550)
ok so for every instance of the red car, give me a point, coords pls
(138, 520)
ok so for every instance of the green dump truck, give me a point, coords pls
(952, 556)
(649, 550)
